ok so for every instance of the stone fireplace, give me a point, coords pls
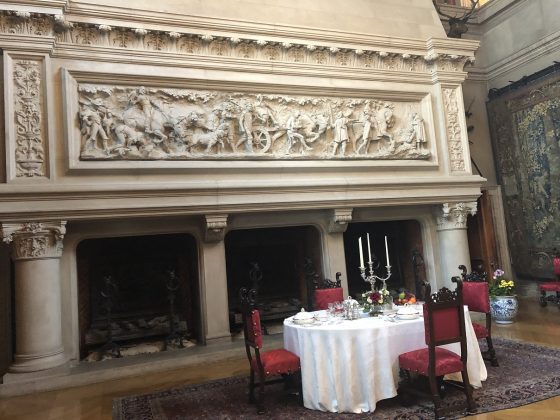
(139, 269)
(206, 136)
(273, 261)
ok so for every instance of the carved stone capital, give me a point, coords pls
(454, 215)
(215, 227)
(35, 240)
(340, 220)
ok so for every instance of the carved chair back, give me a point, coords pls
(444, 320)
(252, 329)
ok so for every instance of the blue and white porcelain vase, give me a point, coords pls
(503, 309)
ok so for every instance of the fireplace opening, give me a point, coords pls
(276, 262)
(129, 290)
(404, 242)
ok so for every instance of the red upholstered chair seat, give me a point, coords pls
(480, 330)
(277, 362)
(553, 286)
(418, 360)
(325, 296)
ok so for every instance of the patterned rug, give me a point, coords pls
(527, 373)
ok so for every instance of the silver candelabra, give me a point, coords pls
(372, 277)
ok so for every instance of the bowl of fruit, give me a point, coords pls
(404, 298)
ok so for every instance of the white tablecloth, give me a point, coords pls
(350, 366)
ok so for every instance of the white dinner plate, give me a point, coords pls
(407, 316)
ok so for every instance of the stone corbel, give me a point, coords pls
(340, 220)
(454, 215)
(34, 240)
(215, 227)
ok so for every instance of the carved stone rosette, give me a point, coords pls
(340, 220)
(215, 227)
(28, 121)
(454, 137)
(35, 240)
(454, 215)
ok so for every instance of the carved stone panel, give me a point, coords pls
(29, 143)
(454, 134)
(142, 123)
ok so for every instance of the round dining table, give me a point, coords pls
(350, 365)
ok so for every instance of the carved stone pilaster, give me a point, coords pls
(215, 227)
(34, 240)
(340, 220)
(454, 132)
(28, 118)
(454, 215)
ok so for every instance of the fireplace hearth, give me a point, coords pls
(271, 261)
(126, 286)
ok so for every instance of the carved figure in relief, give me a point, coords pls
(340, 139)
(385, 120)
(292, 127)
(418, 129)
(246, 128)
(92, 127)
(367, 136)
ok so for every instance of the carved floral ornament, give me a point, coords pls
(34, 239)
(139, 123)
(114, 36)
(29, 154)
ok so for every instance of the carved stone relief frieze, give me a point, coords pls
(28, 119)
(454, 132)
(168, 41)
(139, 123)
(34, 239)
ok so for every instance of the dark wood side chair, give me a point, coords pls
(265, 365)
(327, 291)
(444, 323)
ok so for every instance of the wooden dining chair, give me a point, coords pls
(475, 296)
(327, 291)
(444, 323)
(271, 367)
(551, 286)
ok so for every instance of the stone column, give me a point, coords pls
(453, 241)
(215, 288)
(36, 252)
(335, 258)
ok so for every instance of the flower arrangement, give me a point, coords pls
(377, 297)
(501, 286)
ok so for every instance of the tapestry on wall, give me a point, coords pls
(525, 128)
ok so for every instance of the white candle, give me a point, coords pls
(361, 252)
(368, 248)
(387, 251)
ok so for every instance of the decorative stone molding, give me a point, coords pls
(28, 118)
(165, 41)
(34, 240)
(215, 227)
(454, 132)
(127, 123)
(454, 215)
(340, 220)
